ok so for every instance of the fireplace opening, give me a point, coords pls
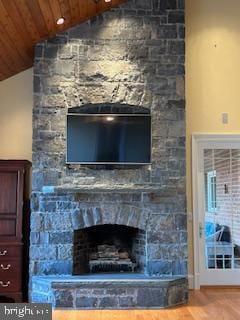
(109, 249)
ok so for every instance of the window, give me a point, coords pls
(211, 191)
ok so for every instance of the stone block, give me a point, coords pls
(167, 32)
(58, 267)
(168, 4)
(66, 52)
(39, 297)
(116, 292)
(59, 39)
(57, 221)
(86, 302)
(181, 221)
(127, 302)
(170, 70)
(65, 251)
(63, 299)
(181, 32)
(66, 206)
(181, 4)
(177, 295)
(61, 237)
(35, 238)
(176, 47)
(51, 51)
(37, 222)
(47, 206)
(176, 17)
(107, 302)
(45, 177)
(167, 236)
(179, 267)
(151, 297)
(142, 4)
(37, 84)
(159, 267)
(40, 252)
(183, 236)
(34, 202)
(77, 219)
(88, 217)
(38, 51)
(178, 130)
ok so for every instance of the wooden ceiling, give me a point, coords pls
(23, 23)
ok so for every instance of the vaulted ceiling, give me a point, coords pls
(23, 23)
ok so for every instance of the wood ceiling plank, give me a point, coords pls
(48, 15)
(28, 20)
(65, 12)
(75, 12)
(38, 18)
(91, 8)
(11, 53)
(10, 32)
(19, 23)
(82, 9)
(56, 11)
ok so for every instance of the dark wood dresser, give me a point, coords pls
(14, 228)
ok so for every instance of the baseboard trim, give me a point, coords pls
(191, 282)
(219, 287)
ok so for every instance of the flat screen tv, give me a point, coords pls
(108, 139)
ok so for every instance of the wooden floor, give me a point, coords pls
(212, 304)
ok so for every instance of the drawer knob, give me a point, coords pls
(3, 253)
(7, 267)
(4, 284)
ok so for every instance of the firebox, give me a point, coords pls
(109, 248)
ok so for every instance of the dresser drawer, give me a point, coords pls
(10, 285)
(10, 268)
(10, 251)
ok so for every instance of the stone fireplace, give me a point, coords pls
(116, 238)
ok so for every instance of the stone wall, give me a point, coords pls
(133, 54)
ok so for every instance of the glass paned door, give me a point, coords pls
(221, 209)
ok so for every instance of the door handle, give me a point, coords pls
(200, 229)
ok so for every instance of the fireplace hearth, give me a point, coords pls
(110, 291)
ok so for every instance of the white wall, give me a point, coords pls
(16, 101)
(212, 75)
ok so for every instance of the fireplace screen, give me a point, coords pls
(109, 248)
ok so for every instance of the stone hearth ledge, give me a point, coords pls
(110, 291)
(102, 188)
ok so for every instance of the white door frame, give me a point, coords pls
(199, 142)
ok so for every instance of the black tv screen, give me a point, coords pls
(108, 138)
